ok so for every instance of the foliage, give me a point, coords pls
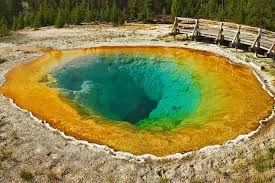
(27, 176)
(37, 21)
(4, 154)
(17, 23)
(174, 8)
(76, 15)
(116, 16)
(4, 30)
(37, 13)
(60, 20)
(265, 162)
(148, 10)
(262, 180)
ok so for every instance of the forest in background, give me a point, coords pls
(17, 14)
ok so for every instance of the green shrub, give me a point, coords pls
(265, 162)
(4, 30)
(4, 154)
(262, 180)
(27, 176)
(60, 20)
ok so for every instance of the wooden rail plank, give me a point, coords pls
(250, 36)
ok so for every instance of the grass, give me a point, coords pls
(262, 180)
(4, 155)
(196, 181)
(51, 177)
(164, 180)
(271, 151)
(27, 176)
(265, 162)
(191, 156)
(272, 72)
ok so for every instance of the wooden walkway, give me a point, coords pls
(255, 39)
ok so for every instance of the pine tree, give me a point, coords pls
(121, 19)
(168, 4)
(164, 11)
(190, 9)
(20, 22)
(114, 14)
(256, 12)
(82, 10)
(60, 19)
(117, 16)
(26, 20)
(49, 15)
(220, 15)
(269, 17)
(3, 9)
(132, 9)
(252, 12)
(174, 8)
(67, 15)
(149, 8)
(212, 9)
(41, 13)
(14, 23)
(75, 15)
(4, 31)
(107, 14)
(31, 19)
(229, 9)
(37, 22)
(89, 16)
(12, 8)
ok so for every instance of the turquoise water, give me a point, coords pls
(147, 91)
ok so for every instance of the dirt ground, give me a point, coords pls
(29, 151)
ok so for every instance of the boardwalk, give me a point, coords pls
(252, 37)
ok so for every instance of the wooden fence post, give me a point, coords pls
(236, 40)
(256, 44)
(237, 36)
(272, 47)
(220, 36)
(175, 29)
(271, 52)
(195, 32)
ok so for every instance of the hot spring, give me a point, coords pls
(142, 100)
(144, 90)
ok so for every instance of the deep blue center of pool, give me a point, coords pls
(147, 91)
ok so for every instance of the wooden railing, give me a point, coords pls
(255, 38)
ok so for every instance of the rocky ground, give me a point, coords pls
(31, 152)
